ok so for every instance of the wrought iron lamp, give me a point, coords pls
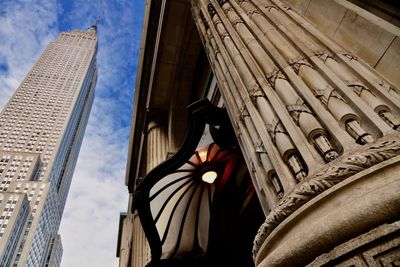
(174, 199)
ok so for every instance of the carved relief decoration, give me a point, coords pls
(270, 7)
(299, 62)
(243, 111)
(276, 127)
(358, 87)
(393, 89)
(296, 109)
(330, 175)
(349, 56)
(211, 10)
(323, 55)
(325, 94)
(251, 13)
(378, 247)
(276, 74)
(236, 22)
(255, 92)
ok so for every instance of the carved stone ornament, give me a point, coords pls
(358, 87)
(222, 2)
(393, 89)
(229, 9)
(211, 10)
(243, 111)
(324, 55)
(260, 147)
(252, 12)
(276, 127)
(273, 75)
(296, 109)
(350, 56)
(237, 21)
(270, 7)
(285, 7)
(224, 34)
(325, 94)
(299, 62)
(330, 175)
(255, 92)
(203, 20)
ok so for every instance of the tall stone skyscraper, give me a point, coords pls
(41, 130)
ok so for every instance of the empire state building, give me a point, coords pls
(41, 131)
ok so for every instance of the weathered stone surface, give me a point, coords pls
(300, 6)
(380, 246)
(367, 40)
(327, 22)
(389, 63)
(343, 212)
(329, 176)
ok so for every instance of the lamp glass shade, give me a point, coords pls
(180, 202)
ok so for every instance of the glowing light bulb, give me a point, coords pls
(209, 177)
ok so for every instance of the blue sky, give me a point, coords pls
(97, 195)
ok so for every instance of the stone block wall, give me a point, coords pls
(372, 38)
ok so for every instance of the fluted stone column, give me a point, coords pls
(157, 144)
(140, 247)
(126, 239)
(308, 116)
(125, 246)
(156, 152)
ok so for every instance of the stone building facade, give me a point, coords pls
(311, 88)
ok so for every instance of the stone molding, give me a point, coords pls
(328, 176)
(378, 247)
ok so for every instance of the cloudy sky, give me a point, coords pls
(97, 195)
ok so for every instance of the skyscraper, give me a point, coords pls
(41, 130)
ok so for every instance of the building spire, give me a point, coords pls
(93, 28)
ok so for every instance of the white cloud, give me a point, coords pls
(25, 30)
(90, 222)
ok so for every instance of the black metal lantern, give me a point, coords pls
(180, 202)
(175, 200)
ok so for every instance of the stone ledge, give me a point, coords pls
(382, 242)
